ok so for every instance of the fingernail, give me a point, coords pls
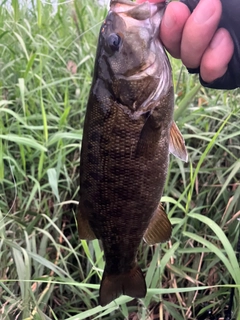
(217, 39)
(203, 11)
(169, 21)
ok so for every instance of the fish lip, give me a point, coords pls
(141, 73)
(148, 66)
(128, 7)
(133, 73)
(125, 10)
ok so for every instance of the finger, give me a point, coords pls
(151, 1)
(199, 30)
(172, 26)
(215, 60)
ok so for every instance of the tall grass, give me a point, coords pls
(46, 64)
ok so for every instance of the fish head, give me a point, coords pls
(131, 58)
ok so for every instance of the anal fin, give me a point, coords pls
(159, 228)
(84, 229)
(177, 144)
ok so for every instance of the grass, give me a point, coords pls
(45, 271)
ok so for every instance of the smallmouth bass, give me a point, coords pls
(128, 134)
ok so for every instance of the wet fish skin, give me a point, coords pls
(125, 146)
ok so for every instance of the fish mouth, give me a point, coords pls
(150, 68)
(143, 72)
(135, 10)
(147, 69)
(148, 14)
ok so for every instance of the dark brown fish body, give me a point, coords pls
(125, 147)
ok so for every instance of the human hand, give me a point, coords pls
(198, 41)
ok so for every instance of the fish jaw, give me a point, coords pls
(137, 11)
(140, 55)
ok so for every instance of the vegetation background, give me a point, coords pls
(46, 64)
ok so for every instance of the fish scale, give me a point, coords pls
(126, 141)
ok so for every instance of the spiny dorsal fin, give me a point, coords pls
(177, 144)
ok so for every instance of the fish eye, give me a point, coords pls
(114, 41)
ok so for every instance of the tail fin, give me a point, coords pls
(131, 283)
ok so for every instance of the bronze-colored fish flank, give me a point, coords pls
(125, 146)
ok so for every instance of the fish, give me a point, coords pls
(128, 134)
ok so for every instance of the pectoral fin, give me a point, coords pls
(84, 230)
(177, 144)
(148, 140)
(159, 229)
